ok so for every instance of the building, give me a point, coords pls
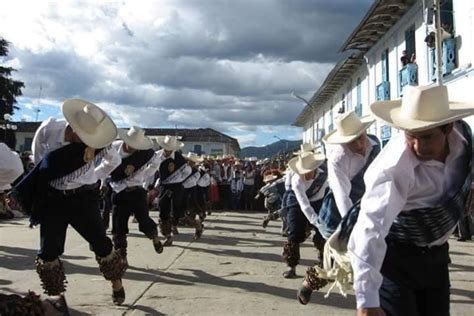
(206, 141)
(374, 70)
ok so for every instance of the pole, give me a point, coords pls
(313, 139)
(439, 48)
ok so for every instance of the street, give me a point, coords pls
(234, 269)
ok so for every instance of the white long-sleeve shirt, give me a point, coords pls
(398, 181)
(343, 165)
(138, 178)
(204, 180)
(10, 167)
(191, 181)
(50, 136)
(185, 172)
(299, 185)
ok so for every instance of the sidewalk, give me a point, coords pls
(234, 269)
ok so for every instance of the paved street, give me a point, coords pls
(234, 269)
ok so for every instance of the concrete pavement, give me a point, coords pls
(234, 269)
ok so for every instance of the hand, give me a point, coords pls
(372, 311)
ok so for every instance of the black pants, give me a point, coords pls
(125, 203)
(225, 195)
(170, 202)
(248, 197)
(81, 211)
(415, 280)
(191, 198)
(297, 224)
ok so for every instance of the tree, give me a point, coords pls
(9, 88)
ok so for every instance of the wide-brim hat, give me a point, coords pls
(421, 108)
(348, 127)
(306, 162)
(305, 147)
(269, 177)
(194, 157)
(93, 126)
(169, 142)
(135, 138)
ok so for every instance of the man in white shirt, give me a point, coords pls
(173, 170)
(138, 163)
(191, 195)
(71, 156)
(303, 199)
(350, 152)
(416, 191)
(11, 168)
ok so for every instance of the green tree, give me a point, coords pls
(9, 88)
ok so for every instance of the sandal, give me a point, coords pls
(118, 297)
(304, 295)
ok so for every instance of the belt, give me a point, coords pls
(130, 189)
(83, 188)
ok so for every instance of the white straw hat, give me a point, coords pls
(194, 157)
(93, 126)
(421, 108)
(348, 128)
(169, 142)
(306, 162)
(135, 138)
(305, 147)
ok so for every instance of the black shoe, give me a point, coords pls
(158, 245)
(118, 296)
(290, 273)
(304, 295)
(58, 304)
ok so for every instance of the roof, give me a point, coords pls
(199, 134)
(26, 127)
(380, 17)
(188, 135)
(333, 82)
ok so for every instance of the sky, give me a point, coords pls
(231, 65)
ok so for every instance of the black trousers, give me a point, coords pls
(81, 211)
(171, 202)
(415, 280)
(125, 203)
(297, 224)
(191, 198)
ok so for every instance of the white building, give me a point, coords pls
(374, 70)
(206, 141)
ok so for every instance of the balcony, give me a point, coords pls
(383, 91)
(448, 58)
(408, 76)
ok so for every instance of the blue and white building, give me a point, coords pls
(374, 70)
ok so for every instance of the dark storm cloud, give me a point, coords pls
(205, 63)
(61, 74)
(309, 30)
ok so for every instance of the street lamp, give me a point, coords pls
(286, 142)
(293, 94)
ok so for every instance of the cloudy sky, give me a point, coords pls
(225, 64)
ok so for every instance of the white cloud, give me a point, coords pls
(229, 65)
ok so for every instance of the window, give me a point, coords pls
(198, 149)
(385, 75)
(342, 109)
(358, 107)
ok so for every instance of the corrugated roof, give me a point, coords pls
(380, 17)
(333, 82)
